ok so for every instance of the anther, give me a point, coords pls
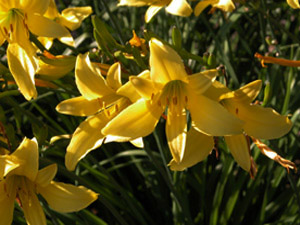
(116, 107)
(11, 28)
(152, 96)
(186, 99)
(174, 100)
(237, 111)
(5, 31)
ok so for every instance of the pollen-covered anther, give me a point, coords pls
(116, 107)
(186, 99)
(175, 100)
(5, 31)
(11, 28)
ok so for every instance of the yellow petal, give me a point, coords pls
(165, 63)
(225, 5)
(79, 106)
(46, 175)
(66, 198)
(262, 123)
(59, 137)
(44, 27)
(89, 80)
(179, 8)
(52, 11)
(27, 155)
(6, 204)
(129, 91)
(216, 90)
(137, 120)
(113, 78)
(35, 6)
(176, 129)
(6, 165)
(199, 82)
(136, 2)
(87, 137)
(152, 11)
(293, 3)
(211, 118)
(197, 148)
(245, 94)
(68, 40)
(22, 67)
(202, 5)
(138, 142)
(32, 208)
(239, 148)
(144, 87)
(73, 17)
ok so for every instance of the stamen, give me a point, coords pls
(168, 101)
(11, 28)
(5, 31)
(116, 107)
(152, 96)
(237, 111)
(174, 100)
(186, 99)
(253, 168)
(279, 61)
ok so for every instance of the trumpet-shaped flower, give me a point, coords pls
(175, 7)
(71, 18)
(225, 5)
(25, 182)
(17, 20)
(171, 88)
(100, 101)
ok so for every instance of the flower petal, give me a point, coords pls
(245, 94)
(152, 11)
(165, 63)
(176, 129)
(27, 155)
(211, 118)
(89, 80)
(179, 8)
(198, 146)
(32, 208)
(22, 67)
(35, 6)
(225, 5)
(7, 165)
(137, 120)
(200, 82)
(138, 142)
(240, 150)
(87, 137)
(73, 17)
(293, 3)
(202, 5)
(113, 78)
(262, 123)
(6, 204)
(143, 86)
(79, 106)
(44, 27)
(46, 175)
(136, 2)
(66, 198)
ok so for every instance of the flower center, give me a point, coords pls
(174, 95)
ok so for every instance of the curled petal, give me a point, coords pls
(113, 78)
(66, 198)
(73, 17)
(293, 3)
(46, 175)
(152, 11)
(179, 8)
(202, 5)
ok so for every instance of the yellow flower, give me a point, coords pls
(17, 19)
(175, 7)
(71, 18)
(101, 100)
(225, 5)
(293, 3)
(25, 182)
(170, 87)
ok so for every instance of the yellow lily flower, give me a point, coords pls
(25, 182)
(225, 5)
(170, 87)
(259, 122)
(71, 18)
(17, 19)
(101, 100)
(293, 3)
(175, 7)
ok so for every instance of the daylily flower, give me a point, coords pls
(71, 18)
(170, 87)
(275, 60)
(25, 182)
(293, 3)
(17, 19)
(101, 100)
(225, 5)
(259, 123)
(175, 7)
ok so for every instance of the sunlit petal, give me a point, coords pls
(113, 77)
(199, 82)
(46, 175)
(152, 11)
(293, 3)
(144, 87)
(165, 63)
(35, 6)
(6, 204)
(89, 80)
(6, 165)
(179, 8)
(73, 17)
(22, 67)
(66, 197)
(202, 5)
(87, 137)
(239, 149)
(198, 146)
(137, 120)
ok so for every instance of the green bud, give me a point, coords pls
(176, 37)
(211, 61)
